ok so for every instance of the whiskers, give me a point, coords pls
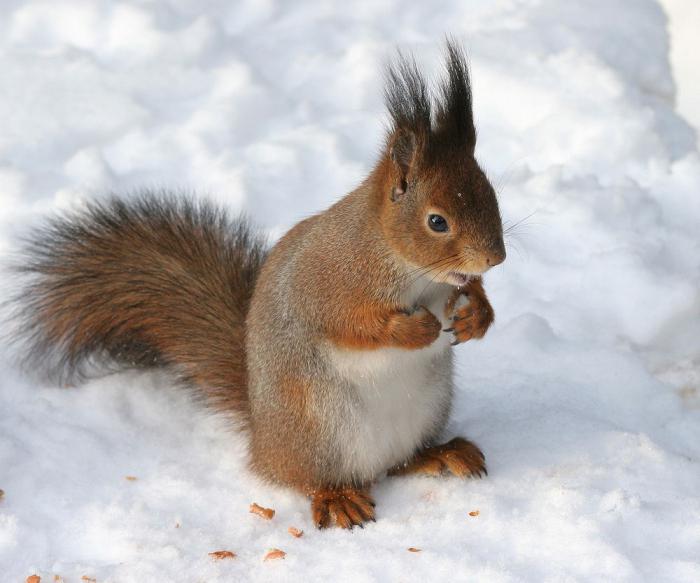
(514, 232)
(518, 226)
(414, 275)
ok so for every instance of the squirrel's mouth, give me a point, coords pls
(459, 278)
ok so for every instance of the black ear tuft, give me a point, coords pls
(408, 101)
(406, 96)
(454, 121)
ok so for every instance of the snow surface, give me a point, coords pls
(585, 395)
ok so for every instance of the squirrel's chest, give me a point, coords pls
(397, 399)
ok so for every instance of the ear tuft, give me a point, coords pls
(454, 121)
(407, 98)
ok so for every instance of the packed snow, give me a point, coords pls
(585, 395)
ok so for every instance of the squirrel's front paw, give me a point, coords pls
(415, 330)
(472, 317)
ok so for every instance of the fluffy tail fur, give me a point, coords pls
(152, 281)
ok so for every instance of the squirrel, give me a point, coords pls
(334, 347)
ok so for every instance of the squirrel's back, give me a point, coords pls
(153, 280)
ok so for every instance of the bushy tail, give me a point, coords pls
(149, 281)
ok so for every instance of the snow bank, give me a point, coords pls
(586, 394)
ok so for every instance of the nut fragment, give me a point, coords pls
(474, 513)
(274, 554)
(33, 579)
(413, 550)
(266, 513)
(218, 555)
(295, 532)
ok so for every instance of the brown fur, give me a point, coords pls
(289, 464)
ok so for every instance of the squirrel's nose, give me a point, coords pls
(496, 256)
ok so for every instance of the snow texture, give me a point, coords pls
(585, 395)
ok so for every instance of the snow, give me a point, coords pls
(683, 20)
(585, 396)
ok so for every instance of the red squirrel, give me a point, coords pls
(334, 347)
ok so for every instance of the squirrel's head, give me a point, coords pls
(438, 210)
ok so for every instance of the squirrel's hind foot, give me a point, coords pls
(343, 507)
(458, 457)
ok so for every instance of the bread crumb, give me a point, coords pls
(218, 555)
(131, 478)
(88, 579)
(413, 550)
(266, 513)
(474, 513)
(33, 579)
(57, 579)
(274, 554)
(295, 532)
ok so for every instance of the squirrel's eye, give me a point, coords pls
(437, 223)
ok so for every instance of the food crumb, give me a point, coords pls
(88, 579)
(266, 513)
(295, 532)
(131, 478)
(274, 554)
(57, 579)
(474, 513)
(33, 579)
(413, 550)
(218, 555)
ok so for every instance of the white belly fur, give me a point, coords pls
(399, 396)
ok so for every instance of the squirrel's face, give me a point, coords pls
(446, 222)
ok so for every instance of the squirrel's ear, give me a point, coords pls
(408, 103)
(402, 151)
